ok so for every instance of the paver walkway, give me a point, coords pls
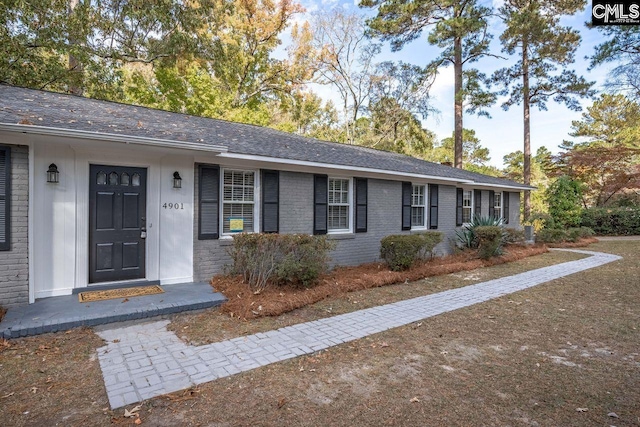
(146, 360)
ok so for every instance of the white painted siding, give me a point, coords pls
(61, 212)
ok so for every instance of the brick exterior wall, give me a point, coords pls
(14, 264)
(384, 218)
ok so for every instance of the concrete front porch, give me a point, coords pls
(66, 312)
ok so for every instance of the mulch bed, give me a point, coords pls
(276, 300)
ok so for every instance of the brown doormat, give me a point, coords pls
(137, 291)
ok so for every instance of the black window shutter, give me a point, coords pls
(406, 205)
(5, 198)
(477, 201)
(208, 202)
(458, 206)
(270, 201)
(492, 209)
(361, 205)
(320, 199)
(505, 207)
(433, 206)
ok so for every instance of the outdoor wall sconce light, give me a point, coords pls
(52, 173)
(177, 180)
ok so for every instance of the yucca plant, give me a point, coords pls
(466, 235)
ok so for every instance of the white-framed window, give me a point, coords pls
(497, 205)
(339, 206)
(467, 206)
(418, 206)
(239, 190)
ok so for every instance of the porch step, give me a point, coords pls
(62, 313)
(116, 286)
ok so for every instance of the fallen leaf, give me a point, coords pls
(282, 402)
(138, 421)
(34, 389)
(132, 412)
(9, 395)
(582, 409)
(414, 399)
(125, 300)
(613, 415)
(384, 344)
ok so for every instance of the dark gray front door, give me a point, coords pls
(117, 228)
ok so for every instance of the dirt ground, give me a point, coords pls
(562, 353)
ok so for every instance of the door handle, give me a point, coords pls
(143, 233)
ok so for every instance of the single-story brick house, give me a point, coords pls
(95, 192)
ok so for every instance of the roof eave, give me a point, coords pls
(102, 136)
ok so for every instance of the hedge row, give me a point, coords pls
(612, 221)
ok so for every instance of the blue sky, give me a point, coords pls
(503, 133)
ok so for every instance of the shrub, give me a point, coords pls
(279, 258)
(491, 239)
(541, 220)
(576, 233)
(511, 235)
(401, 251)
(305, 259)
(564, 197)
(552, 235)
(612, 221)
(466, 235)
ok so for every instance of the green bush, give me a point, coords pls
(612, 221)
(576, 233)
(552, 235)
(401, 251)
(511, 235)
(279, 258)
(491, 239)
(466, 235)
(564, 197)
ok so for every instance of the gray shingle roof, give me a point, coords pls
(61, 111)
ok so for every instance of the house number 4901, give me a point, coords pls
(173, 206)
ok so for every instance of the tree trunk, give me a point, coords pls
(457, 69)
(527, 127)
(75, 67)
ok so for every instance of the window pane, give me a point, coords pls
(338, 218)
(101, 178)
(113, 178)
(496, 200)
(466, 198)
(135, 179)
(238, 186)
(240, 211)
(417, 195)
(417, 216)
(124, 178)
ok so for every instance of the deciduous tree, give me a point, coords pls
(608, 162)
(344, 58)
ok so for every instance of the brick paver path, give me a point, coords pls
(143, 361)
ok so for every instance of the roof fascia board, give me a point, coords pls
(340, 167)
(125, 139)
(504, 187)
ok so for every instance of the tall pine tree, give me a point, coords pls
(459, 28)
(546, 49)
